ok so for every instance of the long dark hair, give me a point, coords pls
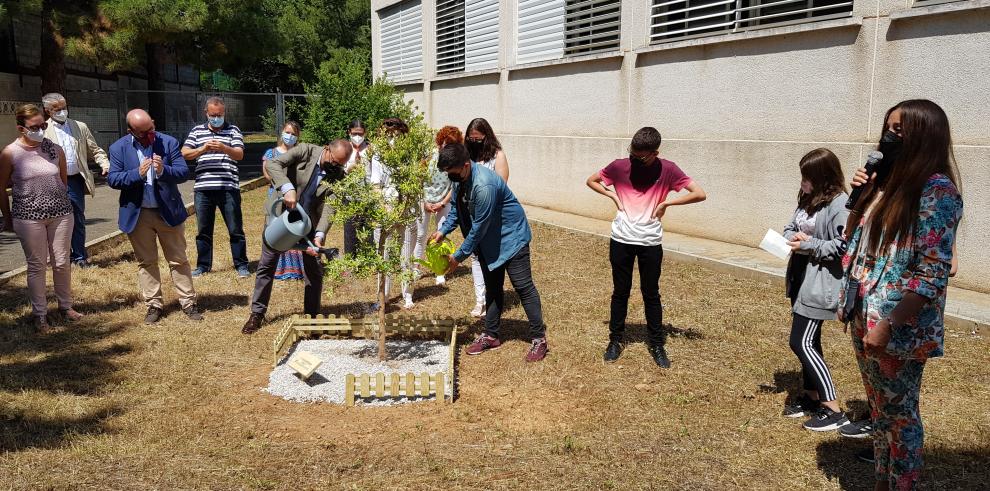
(491, 145)
(926, 150)
(357, 123)
(821, 168)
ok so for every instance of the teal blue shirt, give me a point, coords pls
(492, 220)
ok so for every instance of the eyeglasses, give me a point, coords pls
(41, 126)
(141, 134)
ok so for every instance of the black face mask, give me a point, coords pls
(455, 178)
(642, 176)
(890, 146)
(474, 147)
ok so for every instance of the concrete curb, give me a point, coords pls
(952, 320)
(113, 239)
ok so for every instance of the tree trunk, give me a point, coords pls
(52, 51)
(155, 55)
(381, 299)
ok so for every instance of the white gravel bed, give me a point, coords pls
(343, 356)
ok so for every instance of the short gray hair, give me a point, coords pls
(214, 101)
(51, 98)
(341, 144)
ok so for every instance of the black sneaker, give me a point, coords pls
(193, 313)
(154, 315)
(858, 430)
(866, 456)
(826, 420)
(801, 407)
(659, 355)
(613, 351)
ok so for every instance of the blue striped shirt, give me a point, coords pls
(215, 170)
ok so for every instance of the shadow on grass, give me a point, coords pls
(28, 431)
(75, 360)
(791, 382)
(639, 333)
(212, 302)
(944, 468)
(79, 369)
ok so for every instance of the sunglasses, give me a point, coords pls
(41, 126)
(391, 124)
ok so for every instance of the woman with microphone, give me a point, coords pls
(897, 268)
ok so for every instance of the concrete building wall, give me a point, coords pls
(736, 111)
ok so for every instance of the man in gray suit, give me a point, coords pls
(79, 146)
(302, 177)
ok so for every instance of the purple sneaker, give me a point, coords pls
(538, 350)
(482, 344)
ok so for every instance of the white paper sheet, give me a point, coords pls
(775, 244)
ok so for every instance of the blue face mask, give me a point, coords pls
(216, 121)
(289, 139)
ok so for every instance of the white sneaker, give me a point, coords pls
(408, 305)
(479, 310)
(441, 280)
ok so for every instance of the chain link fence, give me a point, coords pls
(177, 112)
(260, 116)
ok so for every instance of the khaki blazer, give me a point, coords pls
(86, 147)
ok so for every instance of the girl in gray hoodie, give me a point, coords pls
(814, 275)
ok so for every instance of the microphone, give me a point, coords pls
(873, 160)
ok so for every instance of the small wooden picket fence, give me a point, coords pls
(438, 384)
(410, 385)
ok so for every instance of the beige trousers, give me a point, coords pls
(40, 240)
(150, 227)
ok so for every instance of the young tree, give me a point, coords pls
(404, 159)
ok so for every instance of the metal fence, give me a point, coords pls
(255, 113)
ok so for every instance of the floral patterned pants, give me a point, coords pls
(893, 387)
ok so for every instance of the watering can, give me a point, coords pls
(290, 230)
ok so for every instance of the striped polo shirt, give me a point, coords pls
(215, 170)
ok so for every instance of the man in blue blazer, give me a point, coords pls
(147, 167)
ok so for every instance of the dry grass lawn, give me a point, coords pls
(113, 404)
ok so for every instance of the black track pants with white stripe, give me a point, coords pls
(806, 343)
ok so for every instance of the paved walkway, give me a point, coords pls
(101, 211)
(965, 309)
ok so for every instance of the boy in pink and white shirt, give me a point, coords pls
(640, 188)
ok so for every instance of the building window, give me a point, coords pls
(681, 19)
(926, 3)
(450, 36)
(467, 35)
(402, 41)
(552, 29)
(592, 26)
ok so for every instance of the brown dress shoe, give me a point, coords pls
(41, 324)
(253, 323)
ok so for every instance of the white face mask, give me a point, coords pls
(35, 136)
(357, 139)
(61, 116)
(289, 139)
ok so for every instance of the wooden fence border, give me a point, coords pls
(438, 384)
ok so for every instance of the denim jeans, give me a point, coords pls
(77, 195)
(521, 276)
(650, 258)
(229, 203)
